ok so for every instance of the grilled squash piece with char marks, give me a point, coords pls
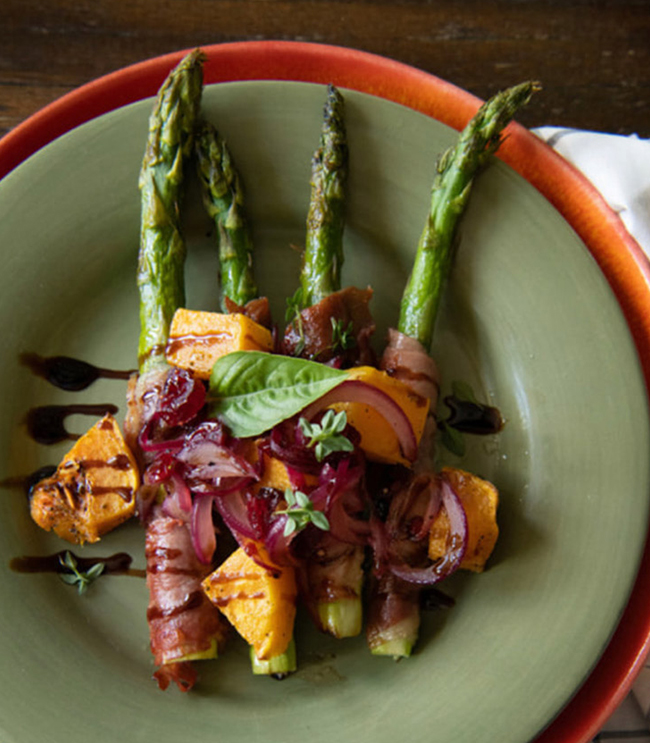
(93, 489)
(260, 604)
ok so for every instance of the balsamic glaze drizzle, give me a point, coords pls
(472, 417)
(117, 564)
(46, 424)
(67, 373)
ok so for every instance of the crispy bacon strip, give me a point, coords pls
(182, 622)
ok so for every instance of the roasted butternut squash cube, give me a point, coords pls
(93, 489)
(378, 440)
(198, 339)
(480, 500)
(260, 604)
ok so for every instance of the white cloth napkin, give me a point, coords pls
(619, 167)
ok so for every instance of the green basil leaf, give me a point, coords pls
(252, 391)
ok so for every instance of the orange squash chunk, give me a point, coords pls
(198, 339)
(93, 489)
(378, 440)
(480, 500)
(260, 604)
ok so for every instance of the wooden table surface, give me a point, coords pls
(592, 56)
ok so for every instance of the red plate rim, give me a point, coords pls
(621, 259)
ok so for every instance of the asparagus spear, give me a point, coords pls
(223, 198)
(224, 201)
(162, 248)
(456, 170)
(323, 257)
(160, 274)
(321, 276)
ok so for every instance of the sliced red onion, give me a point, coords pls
(210, 461)
(221, 487)
(278, 545)
(172, 508)
(354, 390)
(457, 544)
(182, 492)
(147, 443)
(234, 512)
(204, 539)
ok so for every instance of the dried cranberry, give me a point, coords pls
(260, 507)
(182, 397)
(161, 469)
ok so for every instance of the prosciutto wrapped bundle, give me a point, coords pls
(183, 624)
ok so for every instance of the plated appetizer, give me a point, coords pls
(274, 466)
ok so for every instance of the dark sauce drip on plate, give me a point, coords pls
(67, 373)
(46, 424)
(117, 564)
(27, 483)
(473, 417)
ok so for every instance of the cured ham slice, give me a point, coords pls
(183, 624)
(313, 336)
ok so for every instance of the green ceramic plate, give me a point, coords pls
(528, 319)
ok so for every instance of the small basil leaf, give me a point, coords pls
(252, 391)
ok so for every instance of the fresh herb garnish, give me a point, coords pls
(342, 338)
(300, 512)
(77, 577)
(252, 391)
(326, 436)
(292, 313)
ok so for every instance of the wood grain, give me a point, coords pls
(593, 58)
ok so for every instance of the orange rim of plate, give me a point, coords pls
(620, 258)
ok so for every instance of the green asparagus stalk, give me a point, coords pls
(224, 201)
(323, 257)
(162, 248)
(279, 666)
(456, 170)
(223, 198)
(320, 277)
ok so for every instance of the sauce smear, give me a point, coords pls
(67, 373)
(46, 424)
(117, 564)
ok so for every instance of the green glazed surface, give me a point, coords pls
(528, 319)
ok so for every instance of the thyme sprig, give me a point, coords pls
(77, 577)
(300, 512)
(327, 436)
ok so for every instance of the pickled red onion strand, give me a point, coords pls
(182, 492)
(222, 487)
(457, 544)
(209, 461)
(234, 512)
(171, 508)
(353, 390)
(204, 539)
(148, 445)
